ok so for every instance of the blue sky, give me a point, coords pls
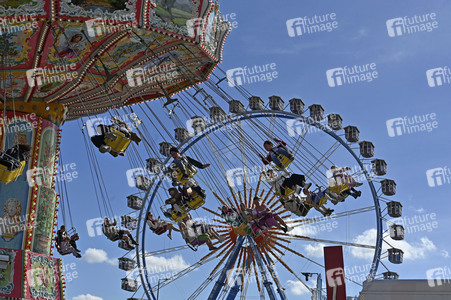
(400, 90)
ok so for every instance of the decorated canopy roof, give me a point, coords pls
(94, 55)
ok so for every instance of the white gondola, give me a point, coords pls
(366, 149)
(165, 147)
(217, 114)
(394, 209)
(276, 103)
(379, 167)
(181, 134)
(335, 121)
(256, 103)
(352, 134)
(126, 264)
(297, 106)
(125, 245)
(236, 107)
(390, 275)
(135, 202)
(143, 183)
(397, 232)
(197, 124)
(316, 112)
(129, 285)
(395, 255)
(388, 187)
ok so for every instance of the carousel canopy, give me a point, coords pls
(91, 56)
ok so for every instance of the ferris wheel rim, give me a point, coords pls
(256, 114)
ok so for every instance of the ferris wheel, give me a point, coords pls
(242, 261)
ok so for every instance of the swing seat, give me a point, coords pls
(119, 143)
(338, 189)
(195, 201)
(285, 161)
(172, 213)
(242, 230)
(7, 176)
(177, 174)
(288, 193)
(65, 251)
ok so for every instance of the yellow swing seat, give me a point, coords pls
(118, 144)
(7, 176)
(288, 193)
(338, 189)
(285, 161)
(196, 201)
(172, 213)
(177, 174)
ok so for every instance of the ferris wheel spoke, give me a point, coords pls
(204, 285)
(182, 273)
(308, 221)
(325, 157)
(305, 238)
(168, 250)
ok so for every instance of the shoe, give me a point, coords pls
(169, 236)
(104, 149)
(212, 248)
(77, 255)
(307, 185)
(289, 228)
(359, 193)
(284, 229)
(167, 215)
(135, 243)
(221, 238)
(122, 153)
(358, 184)
(77, 250)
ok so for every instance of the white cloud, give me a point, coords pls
(444, 253)
(412, 251)
(315, 250)
(86, 297)
(97, 256)
(297, 288)
(160, 264)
